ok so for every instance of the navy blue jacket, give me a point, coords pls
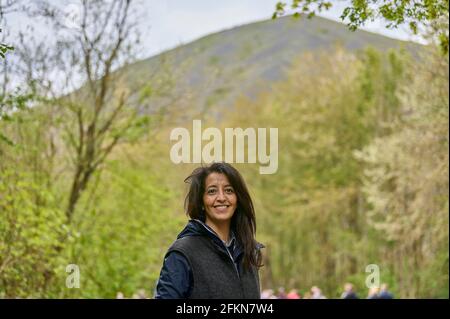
(175, 280)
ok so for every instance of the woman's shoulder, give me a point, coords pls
(187, 242)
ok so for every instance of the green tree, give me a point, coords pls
(432, 14)
(312, 215)
(99, 115)
(406, 183)
(5, 8)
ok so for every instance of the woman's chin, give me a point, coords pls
(222, 216)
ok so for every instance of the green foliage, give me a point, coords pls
(11, 103)
(407, 191)
(121, 231)
(4, 48)
(430, 13)
(123, 235)
(31, 226)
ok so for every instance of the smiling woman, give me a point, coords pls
(216, 255)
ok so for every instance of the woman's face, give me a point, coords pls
(219, 199)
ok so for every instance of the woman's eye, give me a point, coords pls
(229, 191)
(211, 191)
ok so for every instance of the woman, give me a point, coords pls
(216, 255)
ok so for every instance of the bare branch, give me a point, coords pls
(107, 125)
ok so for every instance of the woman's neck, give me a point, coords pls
(221, 229)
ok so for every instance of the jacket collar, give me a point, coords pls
(196, 227)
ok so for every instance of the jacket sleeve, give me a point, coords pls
(175, 280)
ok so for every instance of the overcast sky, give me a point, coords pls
(168, 23)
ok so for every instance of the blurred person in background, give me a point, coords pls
(267, 294)
(281, 293)
(385, 293)
(293, 294)
(316, 293)
(349, 292)
(373, 293)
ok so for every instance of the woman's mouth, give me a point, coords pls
(221, 208)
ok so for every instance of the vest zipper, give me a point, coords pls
(232, 261)
(234, 264)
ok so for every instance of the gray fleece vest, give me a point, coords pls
(214, 273)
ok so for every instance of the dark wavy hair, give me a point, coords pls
(243, 222)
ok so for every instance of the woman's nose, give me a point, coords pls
(221, 196)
